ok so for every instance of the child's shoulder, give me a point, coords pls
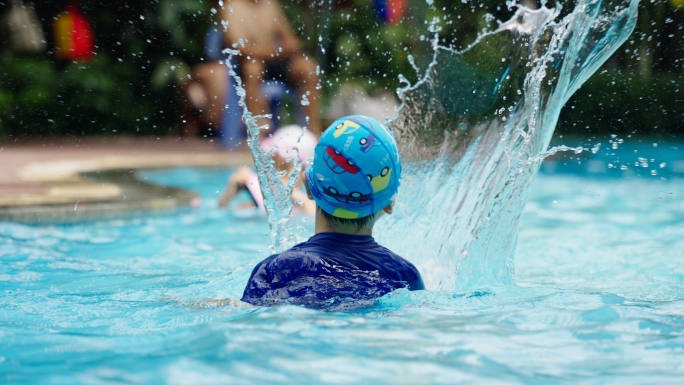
(398, 258)
(406, 269)
(294, 255)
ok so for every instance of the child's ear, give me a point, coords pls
(389, 208)
(306, 184)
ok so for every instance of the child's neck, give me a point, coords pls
(322, 226)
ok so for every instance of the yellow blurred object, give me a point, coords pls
(62, 31)
(677, 4)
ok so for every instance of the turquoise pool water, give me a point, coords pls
(599, 296)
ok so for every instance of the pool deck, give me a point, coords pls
(55, 179)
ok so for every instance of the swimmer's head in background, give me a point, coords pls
(290, 142)
(356, 169)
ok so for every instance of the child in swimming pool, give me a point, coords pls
(286, 144)
(353, 180)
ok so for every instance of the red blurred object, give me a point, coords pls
(74, 38)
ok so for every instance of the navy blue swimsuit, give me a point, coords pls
(329, 269)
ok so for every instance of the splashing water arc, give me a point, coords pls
(276, 195)
(472, 133)
(474, 130)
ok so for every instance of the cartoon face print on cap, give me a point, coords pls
(346, 127)
(338, 163)
(351, 198)
(367, 142)
(380, 181)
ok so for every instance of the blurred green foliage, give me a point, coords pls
(145, 46)
(40, 99)
(113, 94)
(365, 50)
(626, 104)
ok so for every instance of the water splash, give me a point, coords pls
(472, 132)
(276, 194)
(474, 129)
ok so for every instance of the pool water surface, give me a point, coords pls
(599, 298)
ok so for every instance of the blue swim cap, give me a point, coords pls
(356, 168)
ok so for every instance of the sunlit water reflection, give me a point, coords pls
(599, 297)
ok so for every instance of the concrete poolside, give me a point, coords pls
(64, 179)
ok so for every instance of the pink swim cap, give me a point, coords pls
(289, 142)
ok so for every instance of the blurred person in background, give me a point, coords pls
(285, 146)
(205, 97)
(269, 50)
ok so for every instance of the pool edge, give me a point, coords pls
(104, 188)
